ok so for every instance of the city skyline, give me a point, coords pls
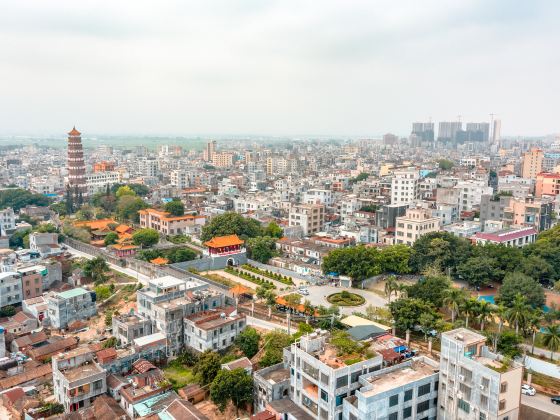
(259, 69)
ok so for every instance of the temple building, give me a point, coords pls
(228, 248)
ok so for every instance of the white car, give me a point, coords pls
(528, 390)
(304, 292)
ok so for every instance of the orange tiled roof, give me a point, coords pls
(167, 217)
(74, 132)
(221, 241)
(123, 247)
(239, 290)
(122, 229)
(95, 224)
(159, 261)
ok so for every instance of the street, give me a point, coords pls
(141, 277)
(541, 402)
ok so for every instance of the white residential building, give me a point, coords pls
(415, 223)
(7, 221)
(98, 181)
(214, 329)
(404, 186)
(475, 383)
(471, 193)
(311, 217)
(317, 196)
(10, 288)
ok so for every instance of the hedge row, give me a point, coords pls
(270, 274)
(249, 277)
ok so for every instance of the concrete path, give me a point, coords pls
(541, 402)
(266, 325)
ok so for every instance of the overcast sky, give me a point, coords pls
(276, 67)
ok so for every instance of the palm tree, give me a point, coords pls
(551, 338)
(453, 300)
(390, 286)
(402, 289)
(501, 312)
(534, 324)
(485, 312)
(518, 312)
(470, 308)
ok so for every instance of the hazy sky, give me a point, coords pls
(276, 67)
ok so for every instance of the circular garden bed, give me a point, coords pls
(345, 298)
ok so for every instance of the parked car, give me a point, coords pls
(304, 292)
(555, 400)
(528, 390)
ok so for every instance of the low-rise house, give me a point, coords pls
(127, 327)
(26, 342)
(271, 383)
(182, 410)
(71, 305)
(37, 307)
(517, 237)
(45, 244)
(54, 347)
(20, 324)
(77, 379)
(213, 329)
(32, 280)
(241, 363)
(10, 288)
(167, 224)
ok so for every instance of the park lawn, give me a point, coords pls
(548, 382)
(178, 375)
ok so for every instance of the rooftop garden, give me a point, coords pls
(350, 350)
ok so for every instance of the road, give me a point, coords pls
(318, 296)
(132, 273)
(541, 402)
(540, 352)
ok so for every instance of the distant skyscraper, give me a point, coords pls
(449, 130)
(425, 131)
(477, 131)
(76, 165)
(210, 150)
(497, 131)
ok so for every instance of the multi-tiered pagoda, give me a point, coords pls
(76, 165)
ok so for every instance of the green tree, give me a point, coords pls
(515, 283)
(485, 313)
(248, 342)
(439, 249)
(370, 208)
(208, 366)
(508, 344)
(427, 322)
(470, 309)
(231, 223)
(293, 299)
(145, 237)
(274, 343)
(551, 339)
(507, 258)
(128, 207)
(359, 263)
(175, 208)
(235, 386)
(18, 198)
(261, 248)
(178, 255)
(538, 269)
(406, 312)
(445, 164)
(391, 286)
(432, 289)
(124, 190)
(60, 208)
(17, 239)
(273, 230)
(111, 238)
(395, 259)
(518, 312)
(8, 310)
(96, 269)
(102, 292)
(479, 270)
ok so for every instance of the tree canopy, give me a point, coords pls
(248, 341)
(175, 208)
(358, 262)
(207, 367)
(18, 198)
(261, 248)
(145, 237)
(231, 223)
(519, 283)
(442, 249)
(431, 289)
(407, 312)
(232, 385)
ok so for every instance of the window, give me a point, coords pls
(408, 395)
(423, 389)
(502, 405)
(465, 406)
(423, 406)
(342, 381)
(503, 387)
(324, 395)
(407, 412)
(393, 416)
(482, 416)
(393, 400)
(483, 400)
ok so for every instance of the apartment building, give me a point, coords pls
(127, 327)
(475, 383)
(7, 221)
(514, 211)
(386, 215)
(415, 223)
(69, 306)
(99, 181)
(10, 288)
(408, 390)
(32, 280)
(214, 329)
(77, 379)
(318, 196)
(470, 193)
(167, 224)
(547, 184)
(311, 217)
(320, 380)
(46, 244)
(532, 163)
(404, 186)
(222, 159)
(271, 384)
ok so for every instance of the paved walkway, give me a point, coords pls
(541, 402)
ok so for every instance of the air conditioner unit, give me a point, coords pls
(482, 387)
(459, 395)
(461, 377)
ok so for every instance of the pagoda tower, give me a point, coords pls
(76, 166)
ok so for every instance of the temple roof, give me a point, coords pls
(222, 241)
(74, 132)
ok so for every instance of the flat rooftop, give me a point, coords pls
(83, 371)
(277, 375)
(465, 336)
(405, 374)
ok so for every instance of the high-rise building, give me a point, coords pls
(449, 130)
(404, 186)
(496, 131)
(210, 150)
(532, 163)
(477, 131)
(425, 131)
(76, 165)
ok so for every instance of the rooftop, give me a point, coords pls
(222, 241)
(465, 336)
(404, 374)
(68, 294)
(82, 371)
